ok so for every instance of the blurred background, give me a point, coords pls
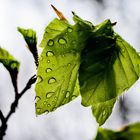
(72, 121)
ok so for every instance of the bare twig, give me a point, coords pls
(13, 107)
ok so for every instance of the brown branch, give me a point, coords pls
(13, 107)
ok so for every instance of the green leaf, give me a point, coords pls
(129, 132)
(57, 75)
(11, 64)
(31, 40)
(103, 110)
(109, 67)
(96, 74)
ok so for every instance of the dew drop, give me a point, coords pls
(48, 61)
(67, 94)
(47, 111)
(49, 94)
(51, 80)
(45, 102)
(54, 109)
(70, 29)
(37, 98)
(49, 53)
(73, 97)
(38, 110)
(48, 70)
(48, 105)
(50, 42)
(39, 79)
(62, 41)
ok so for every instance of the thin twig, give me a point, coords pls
(13, 107)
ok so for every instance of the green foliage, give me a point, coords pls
(86, 59)
(130, 132)
(57, 76)
(31, 40)
(10, 63)
(109, 67)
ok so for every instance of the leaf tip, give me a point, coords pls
(59, 14)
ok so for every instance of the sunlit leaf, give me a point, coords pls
(129, 132)
(103, 110)
(31, 40)
(10, 63)
(57, 75)
(109, 67)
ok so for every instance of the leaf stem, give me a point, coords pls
(13, 107)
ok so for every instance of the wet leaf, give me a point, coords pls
(57, 75)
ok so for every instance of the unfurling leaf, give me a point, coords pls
(11, 64)
(94, 57)
(109, 67)
(57, 75)
(31, 40)
(129, 132)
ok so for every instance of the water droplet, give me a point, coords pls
(49, 94)
(73, 97)
(62, 41)
(37, 98)
(69, 64)
(54, 109)
(48, 105)
(67, 94)
(51, 80)
(48, 61)
(50, 42)
(38, 110)
(70, 29)
(63, 91)
(48, 70)
(49, 53)
(47, 111)
(45, 102)
(39, 79)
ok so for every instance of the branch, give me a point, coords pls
(14, 105)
